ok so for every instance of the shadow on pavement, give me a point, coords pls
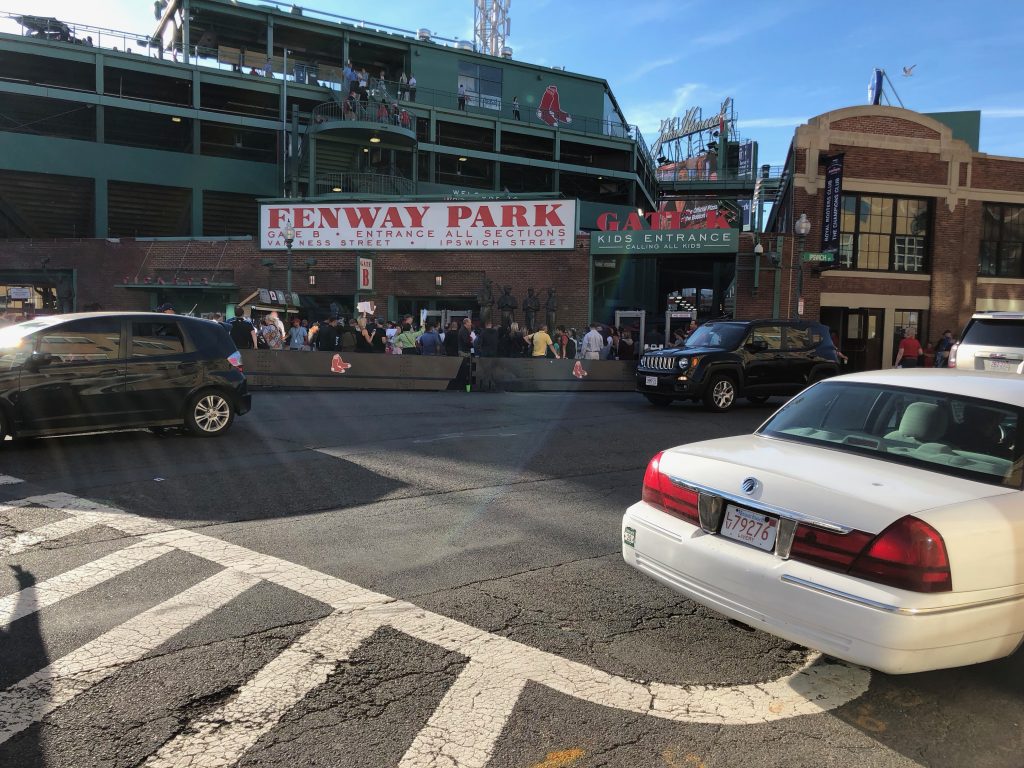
(22, 647)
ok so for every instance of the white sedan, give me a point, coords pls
(877, 517)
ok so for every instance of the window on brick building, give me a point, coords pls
(886, 234)
(1002, 241)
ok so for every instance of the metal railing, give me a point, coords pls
(703, 174)
(380, 112)
(364, 183)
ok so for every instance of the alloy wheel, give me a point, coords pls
(212, 413)
(724, 393)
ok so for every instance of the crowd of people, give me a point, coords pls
(375, 335)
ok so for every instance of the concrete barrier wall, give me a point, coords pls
(321, 370)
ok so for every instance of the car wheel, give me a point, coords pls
(721, 393)
(758, 399)
(209, 414)
(662, 401)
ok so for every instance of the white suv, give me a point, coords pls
(992, 341)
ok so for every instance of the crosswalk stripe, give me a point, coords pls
(69, 583)
(13, 545)
(8, 480)
(467, 723)
(222, 737)
(42, 692)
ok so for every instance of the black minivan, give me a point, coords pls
(114, 370)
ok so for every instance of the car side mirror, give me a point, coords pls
(38, 359)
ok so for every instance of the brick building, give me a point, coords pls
(930, 231)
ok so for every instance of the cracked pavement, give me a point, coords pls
(413, 579)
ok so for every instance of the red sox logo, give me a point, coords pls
(550, 111)
(338, 365)
(578, 371)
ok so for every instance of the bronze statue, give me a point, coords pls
(485, 299)
(507, 304)
(531, 305)
(551, 308)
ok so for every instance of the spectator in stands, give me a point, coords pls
(403, 86)
(268, 67)
(410, 95)
(462, 97)
(515, 107)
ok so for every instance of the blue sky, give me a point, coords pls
(782, 62)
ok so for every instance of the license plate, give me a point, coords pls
(652, 381)
(629, 537)
(751, 528)
(999, 365)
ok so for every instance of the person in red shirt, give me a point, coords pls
(909, 352)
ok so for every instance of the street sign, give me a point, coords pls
(800, 307)
(19, 293)
(817, 258)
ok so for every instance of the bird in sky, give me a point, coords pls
(908, 71)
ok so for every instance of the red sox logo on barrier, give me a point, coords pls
(578, 371)
(550, 111)
(338, 365)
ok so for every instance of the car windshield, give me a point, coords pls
(723, 335)
(950, 434)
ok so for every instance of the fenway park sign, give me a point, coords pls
(436, 226)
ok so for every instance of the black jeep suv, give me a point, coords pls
(724, 360)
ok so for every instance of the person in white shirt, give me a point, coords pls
(593, 343)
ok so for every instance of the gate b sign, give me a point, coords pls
(364, 273)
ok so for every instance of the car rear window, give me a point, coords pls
(989, 332)
(949, 434)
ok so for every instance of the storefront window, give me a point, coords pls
(1002, 241)
(887, 234)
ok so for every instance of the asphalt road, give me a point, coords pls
(414, 579)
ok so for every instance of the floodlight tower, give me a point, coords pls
(491, 25)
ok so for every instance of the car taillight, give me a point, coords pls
(909, 554)
(660, 492)
(834, 551)
(951, 363)
(235, 358)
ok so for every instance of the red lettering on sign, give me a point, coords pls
(277, 218)
(328, 217)
(416, 215)
(544, 217)
(365, 283)
(301, 221)
(513, 216)
(361, 217)
(457, 213)
(608, 222)
(393, 219)
(483, 217)
(633, 221)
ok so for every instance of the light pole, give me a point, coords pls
(758, 253)
(289, 238)
(802, 227)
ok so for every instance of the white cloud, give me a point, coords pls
(649, 67)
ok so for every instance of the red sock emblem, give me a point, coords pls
(338, 365)
(577, 370)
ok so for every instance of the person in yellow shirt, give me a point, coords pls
(541, 342)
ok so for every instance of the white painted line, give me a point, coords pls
(12, 545)
(8, 480)
(220, 738)
(69, 583)
(465, 727)
(37, 695)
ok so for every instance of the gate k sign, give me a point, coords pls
(463, 730)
